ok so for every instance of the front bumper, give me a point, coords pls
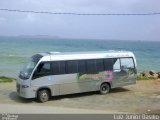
(25, 92)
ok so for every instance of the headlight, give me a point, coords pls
(25, 86)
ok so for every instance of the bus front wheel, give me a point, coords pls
(43, 95)
(105, 88)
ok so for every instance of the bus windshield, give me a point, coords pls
(26, 72)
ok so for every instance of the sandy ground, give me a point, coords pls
(143, 97)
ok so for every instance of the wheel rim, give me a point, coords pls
(105, 89)
(44, 97)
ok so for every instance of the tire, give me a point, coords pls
(43, 95)
(105, 88)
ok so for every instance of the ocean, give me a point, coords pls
(15, 51)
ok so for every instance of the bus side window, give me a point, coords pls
(58, 67)
(127, 63)
(116, 65)
(91, 66)
(99, 65)
(108, 64)
(55, 68)
(43, 69)
(72, 66)
(81, 66)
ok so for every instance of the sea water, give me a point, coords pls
(15, 51)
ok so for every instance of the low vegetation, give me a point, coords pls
(148, 75)
(6, 79)
(145, 78)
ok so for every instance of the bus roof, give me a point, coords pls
(53, 56)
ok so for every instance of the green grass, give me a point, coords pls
(6, 79)
(145, 78)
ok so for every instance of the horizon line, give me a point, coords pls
(71, 38)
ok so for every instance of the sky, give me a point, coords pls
(90, 27)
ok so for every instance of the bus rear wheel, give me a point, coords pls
(105, 88)
(43, 95)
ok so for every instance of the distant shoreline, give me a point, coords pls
(70, 38)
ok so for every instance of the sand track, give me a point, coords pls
(143, 97)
